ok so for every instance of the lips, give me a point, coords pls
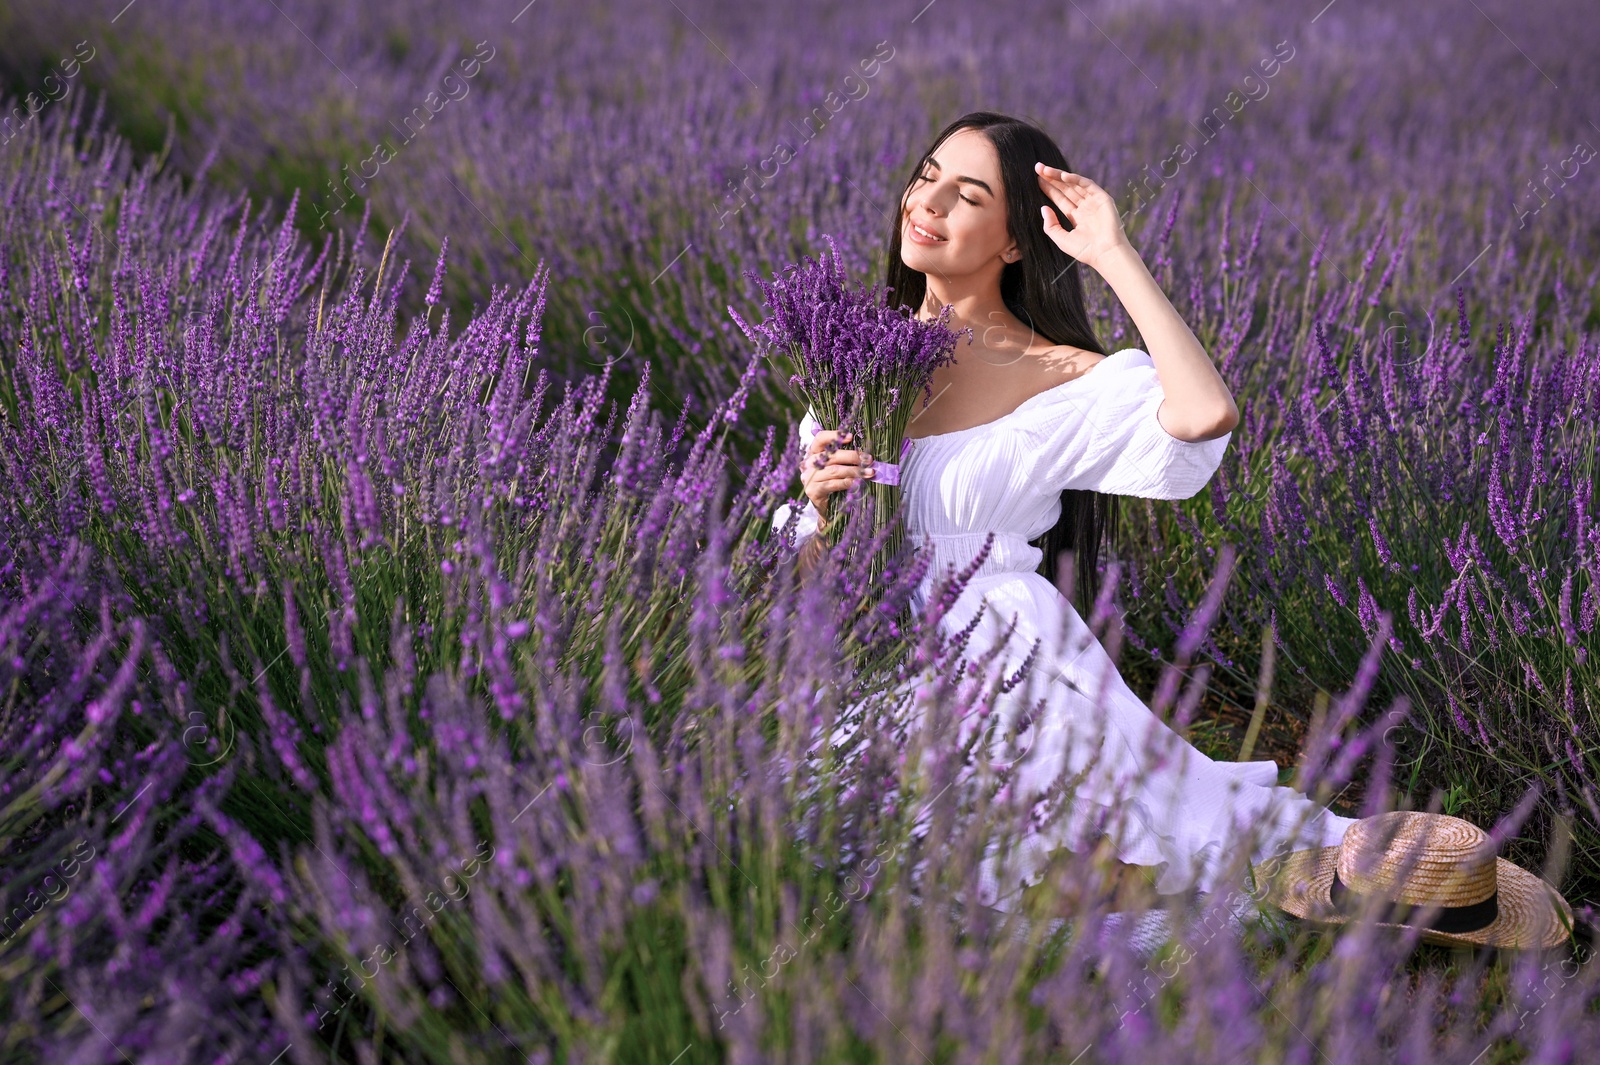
(922, 235)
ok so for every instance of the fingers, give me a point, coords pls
(1052, 221)
(1063, 195)
(1063, 202)
(820, 485)
(836, 478)
(827, 469)
(1066, 188)
(825, 442)
(1069, 205)
(1066, 179)
(843, 458)
(825, 445)
(823, 437)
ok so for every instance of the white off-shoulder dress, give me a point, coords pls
(1161, 802)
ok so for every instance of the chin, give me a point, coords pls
(915, 256)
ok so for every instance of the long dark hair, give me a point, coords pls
(1044, 288)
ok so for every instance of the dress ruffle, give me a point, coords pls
(1161, 801)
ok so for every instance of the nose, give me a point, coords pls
(916, 200)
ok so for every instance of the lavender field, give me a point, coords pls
(399, 661)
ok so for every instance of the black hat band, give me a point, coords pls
(1452, 919)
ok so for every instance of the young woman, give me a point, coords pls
(1027, 436)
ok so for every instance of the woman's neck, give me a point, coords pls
(977, 306)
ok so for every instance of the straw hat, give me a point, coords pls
(1437, 871)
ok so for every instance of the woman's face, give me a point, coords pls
(958, 199)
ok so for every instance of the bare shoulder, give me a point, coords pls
(1063, 362)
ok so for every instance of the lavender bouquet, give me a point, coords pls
(857, 363)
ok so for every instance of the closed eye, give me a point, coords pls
(924, 177)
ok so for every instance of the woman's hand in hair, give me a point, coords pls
(1096, 224)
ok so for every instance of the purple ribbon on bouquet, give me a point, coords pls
(884, 472)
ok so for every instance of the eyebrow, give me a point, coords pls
(984, 185)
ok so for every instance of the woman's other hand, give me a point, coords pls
(1096, 225)
(829, 467)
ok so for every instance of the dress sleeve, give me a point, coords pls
(1105, 436)
(806, 528)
